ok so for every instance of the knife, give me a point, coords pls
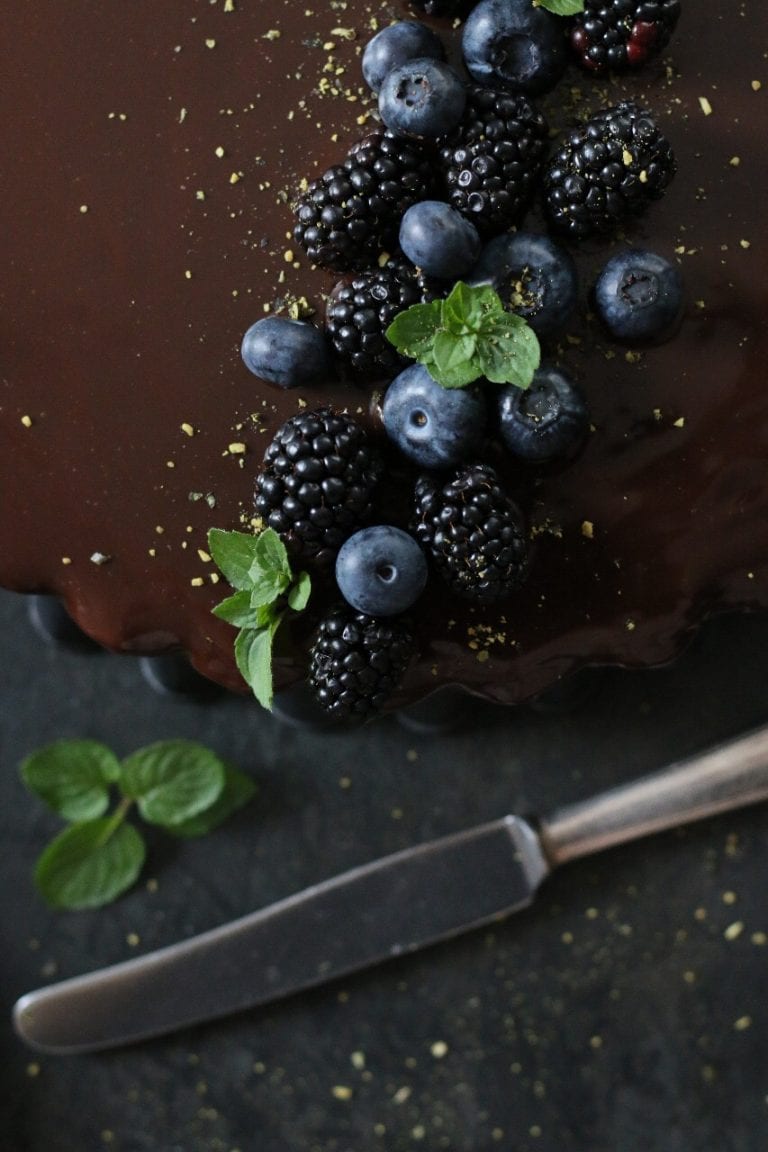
(390, 907)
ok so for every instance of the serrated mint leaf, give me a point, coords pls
(90, 864)
(270, 555)
(509, 351)
(451, 351)
(462, 310)
(237, 791)
(298, 596)
(253, 654)
(234, 553)
(237, 610)
(267, 587)
(488, 300)
(455, 365)
(561, 7)
(172, 780)
(472, 336)
(72, 777)
(459, 376)
(413, 331)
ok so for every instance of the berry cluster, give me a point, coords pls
(437, 196)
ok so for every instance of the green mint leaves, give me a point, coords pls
(266, 589)
(467, 336)
(176, 784)
(561, 7)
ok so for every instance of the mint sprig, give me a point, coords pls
(466, 336)
(561, 7)
(178, 785)
(266, 590)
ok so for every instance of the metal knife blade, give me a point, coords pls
(391, 906)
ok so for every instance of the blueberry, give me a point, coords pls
(422, 97)
(381, 570)
(548, 419)
(434, 426)
(394, 46)
(289, 353)
(438, 240)
(535, 278)
(511, 44)
(639, 296)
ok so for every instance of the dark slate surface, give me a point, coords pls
(625, 1012)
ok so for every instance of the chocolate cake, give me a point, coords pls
(152, 155)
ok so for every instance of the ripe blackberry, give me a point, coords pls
(353, 211)
(357, 661)
(617, 35)
(492, 159)
(607, 169)
(473, 532)
(360, 310)
(316, 484)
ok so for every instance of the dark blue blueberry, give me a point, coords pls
(513, 45)
(639, 296)
(381, 570)
(288, 353)
(396, 45)
(438, 240)
(535, 278)
(434, 426)
(423, 97)
(547, 420)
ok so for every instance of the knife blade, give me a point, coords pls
(389, 907)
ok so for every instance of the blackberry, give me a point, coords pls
(473, 532)
(492, 159)
(607, 169)
(357, 661)
(360, 310)
(617, 35)
(353, 211)
(316, 485)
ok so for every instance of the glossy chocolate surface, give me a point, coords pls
(151, 150)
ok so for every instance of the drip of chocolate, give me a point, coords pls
(151, 154)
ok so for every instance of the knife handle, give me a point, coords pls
(731, 775)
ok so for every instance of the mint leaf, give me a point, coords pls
(271, 555)
(509, 351)
(298, 596)
(467, 307)
(259, 568)
(237, 791)
(253, 654)
(237, 610)
(172, 780)
(413, 331)
(470, 336)
(561, 7)
(455, 360)
(233, 553)
(89, 864)
(462, 311)
(267, 587)
(72, 777)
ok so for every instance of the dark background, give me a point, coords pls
(626, 1011)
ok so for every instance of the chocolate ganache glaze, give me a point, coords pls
(151, 154)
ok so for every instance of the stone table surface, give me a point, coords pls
(626, 1011)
